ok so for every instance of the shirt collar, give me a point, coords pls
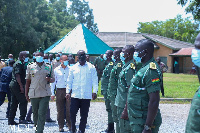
(83, 65)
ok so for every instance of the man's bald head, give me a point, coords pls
(197, 42)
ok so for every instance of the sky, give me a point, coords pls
(125, 15)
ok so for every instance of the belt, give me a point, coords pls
(61, 88)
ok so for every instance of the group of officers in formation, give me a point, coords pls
(131, 80)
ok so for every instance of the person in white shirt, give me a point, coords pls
(61, 74)
(82, 78)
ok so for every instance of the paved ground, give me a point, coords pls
(174, 119)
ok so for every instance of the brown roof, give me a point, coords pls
(168, 42)
(183, 52)
(120, 39)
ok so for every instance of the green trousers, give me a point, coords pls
(108, 107)
(124, 125)
(193, 120)
(39, 108)
(114, 113)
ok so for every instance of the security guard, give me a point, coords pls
(143, 96)
(125, 76)
(38, 77)
(193, 120)
(100, 65)
(104, 89)
(17, 85)
(113, 84)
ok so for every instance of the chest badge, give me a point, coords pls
(152, 65)
(132, 66)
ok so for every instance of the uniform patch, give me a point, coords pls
(111, 63)
(155, 80)
(132, 66)
(152, 65)
(46, 68)
(119, 65)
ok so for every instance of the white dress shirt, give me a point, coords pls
(61, 75)
(81, 80)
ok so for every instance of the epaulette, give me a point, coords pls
(152, 65)
(132, 66)
(119, 65)
(111, 63)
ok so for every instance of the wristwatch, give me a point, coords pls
(146, 127)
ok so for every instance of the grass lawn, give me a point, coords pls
(176, 85)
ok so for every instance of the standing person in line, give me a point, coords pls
(2, 64)
(61, 74)
(163, 69)
(38, 91)
(104, 89)
(17, 85)
(192, 125)
(10, 57)
(113, 85)
(50, 58)
(82, 79)
(100, 64)
(144, 92)
(5, 78)
(56, 62)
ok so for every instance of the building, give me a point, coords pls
(167, 49)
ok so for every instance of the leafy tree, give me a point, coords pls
(192, 7)
(177, 28)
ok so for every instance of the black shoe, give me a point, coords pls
(79, 131)
(30, 122)
(61, 130)
(12, 123)
(50, 120)
(23, 122)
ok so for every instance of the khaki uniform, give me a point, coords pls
(112, 91)
(125, 76)
(55, 64)
(104, 89)
(39, 92)
(193, 120)
(147, 80)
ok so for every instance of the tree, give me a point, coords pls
(177, 28)
(193, 7)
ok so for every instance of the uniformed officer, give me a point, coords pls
(38, 77)
(124, 81)
(113, 84)
(100, 64)
(143, 96)
(56, 62)
(193, 120)
(104, 89)
(17, 85)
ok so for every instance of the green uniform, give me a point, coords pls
(100, 64)
(104, 89)
(147, 80)
(16, 96)
(193, 120)
(125, 76)
(112, 91)
(39, 92)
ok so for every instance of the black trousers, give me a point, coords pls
(84, 105)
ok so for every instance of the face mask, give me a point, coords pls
(71, 64)
(136, 57)
(39, 59)
(26, 59)
(196, 57)
(46, 60)
(10, 58)
(122, 56)
(104, 57)
(33, 57)
(65, 63)
(113, 58)
(57, 58)
(60, 54)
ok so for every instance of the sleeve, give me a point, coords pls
(69, 81)
(94, 80)
(129, 75)
(112, 79)
(28, 72)
(152, 81)
(18, 69)
(53, 84)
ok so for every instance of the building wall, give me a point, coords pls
(164, 51)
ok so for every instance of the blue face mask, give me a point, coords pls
(71, 64)
(10, 58)
(136, 57)
(39, 59)
(113, 58)
(33, 57)
(46, 60)
(122, 57)
(57, 58)
(65, 63)
(104, 57)
(196, 57)
(26, 59)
